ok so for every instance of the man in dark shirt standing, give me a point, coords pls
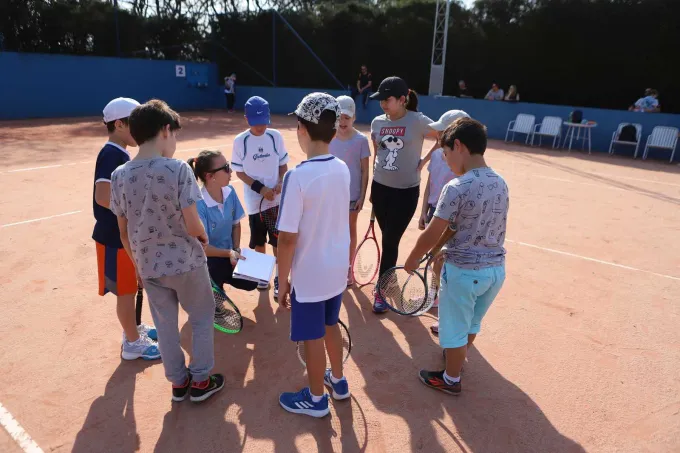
(463, 92)
(364, 85)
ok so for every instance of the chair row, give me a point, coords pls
(661, 137)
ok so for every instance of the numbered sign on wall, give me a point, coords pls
(180, 70)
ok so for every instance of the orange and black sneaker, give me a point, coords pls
(435, 380)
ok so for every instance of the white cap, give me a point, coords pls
(314, 104)
(119, 108)
(447, 118)
(347, 106)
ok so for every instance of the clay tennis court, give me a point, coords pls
(580, 352)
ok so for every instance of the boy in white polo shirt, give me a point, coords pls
(260, 160)
(313, 229)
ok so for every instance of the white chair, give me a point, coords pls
(662, 137)
(551, 126)
(523, 124)
(617, 133)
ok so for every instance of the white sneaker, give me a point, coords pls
(144, 330)
(144, 348)
(147, 331)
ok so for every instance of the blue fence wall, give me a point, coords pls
(41, 86)
(496, 115)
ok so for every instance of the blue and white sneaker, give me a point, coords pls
(276, 286)
(379, 305)
(301, 403)
(144, 348)
(340, 390)
(149, 331)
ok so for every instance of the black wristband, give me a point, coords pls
(256, 186)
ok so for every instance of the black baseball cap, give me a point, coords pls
(391, 86)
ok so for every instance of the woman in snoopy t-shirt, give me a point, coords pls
(398, 137)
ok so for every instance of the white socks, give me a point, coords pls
(315, 398)
(451, 380)
(335, 380)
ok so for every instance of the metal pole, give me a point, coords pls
(290, 27)
(274, 47)
(115, 16)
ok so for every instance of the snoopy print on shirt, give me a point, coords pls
(399, 145)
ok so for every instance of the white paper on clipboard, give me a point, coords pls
(256, 267)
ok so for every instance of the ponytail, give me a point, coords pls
(411, 101)
(202, 164)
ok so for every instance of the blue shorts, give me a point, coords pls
(308, 320)
(465, 295)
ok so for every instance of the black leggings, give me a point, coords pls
(221, 271)
(230, 101)
(394, 209)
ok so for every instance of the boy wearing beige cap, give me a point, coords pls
(115, 269)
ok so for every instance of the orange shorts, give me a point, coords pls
(116, 271)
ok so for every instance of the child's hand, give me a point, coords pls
(359, 204)
(284, 290)
(267, 193)
(203, 239)
(140, 282)
(277, 189)
(234, 257)
(411, 264)
(422, 221)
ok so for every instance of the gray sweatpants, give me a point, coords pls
(192, 290)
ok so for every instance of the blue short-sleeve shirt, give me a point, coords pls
(219, 219)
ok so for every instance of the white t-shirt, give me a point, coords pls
(260, 158)
(314, 204)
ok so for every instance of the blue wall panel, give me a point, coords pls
(44, 86)
(496, 115)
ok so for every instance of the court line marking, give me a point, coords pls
(594, 260)
(609, 175)
(45, 167)
(17, 432)
(39, 219)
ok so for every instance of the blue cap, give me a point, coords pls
(257, 111)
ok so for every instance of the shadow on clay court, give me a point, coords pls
(492, 415)
(622, 157)
(258, 364)
(602, 179)
(110, 424)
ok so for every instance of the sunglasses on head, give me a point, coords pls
(225, 167)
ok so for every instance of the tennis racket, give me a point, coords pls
(367, 257)
(408, 294)
(346, 345)
(138, 305)
(228, 318)
(269, 216)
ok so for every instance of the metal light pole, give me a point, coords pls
(441, 31)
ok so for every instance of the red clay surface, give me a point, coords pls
(575, 355)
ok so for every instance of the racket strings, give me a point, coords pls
(366, 260)
(402, 291)
(269, 217)
(346, 347)
(225, 316)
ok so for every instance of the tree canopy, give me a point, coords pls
(599, 53)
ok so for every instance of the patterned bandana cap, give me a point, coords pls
(314, 104)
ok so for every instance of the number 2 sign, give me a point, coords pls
(180, 70)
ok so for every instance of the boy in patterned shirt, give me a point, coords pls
(154, 197)
(475, 205)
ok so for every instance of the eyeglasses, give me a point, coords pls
(225, 167)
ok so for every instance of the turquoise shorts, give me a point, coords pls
(465, 295)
